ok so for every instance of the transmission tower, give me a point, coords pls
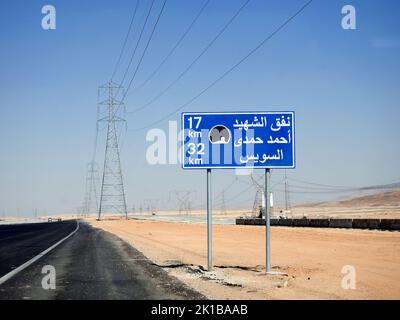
(112, 197)
(258, 205)
(287, 202)
(184, 200)
(91, 204)
(257, 210)
(147, 206)
(223, 204)
(151, 205)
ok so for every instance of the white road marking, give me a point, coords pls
(28, 263)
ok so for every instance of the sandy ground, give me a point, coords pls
(311, 260)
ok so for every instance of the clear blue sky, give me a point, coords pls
(342, 84)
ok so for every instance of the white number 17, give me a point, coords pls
(190, 119)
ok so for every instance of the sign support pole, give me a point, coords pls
(209, 222)
(267, 221)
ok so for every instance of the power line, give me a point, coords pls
(254, 184)
(166, 89)
(144, 51)
(332, 188)
(314, 192)
(151, 76)
(269, 37)
(91, 188)
(151, 205)
(226, 188)
(303, 191)
(237, 195)
(223, 205)
(287, 203)
(201, 205)
(321, 185)
(125, 41)
(97, 127)
(307, 187)
(184, 199)
(90, 204)
(137, 44)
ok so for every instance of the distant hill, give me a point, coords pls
(386, 187)
(390, 198)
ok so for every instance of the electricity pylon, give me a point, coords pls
(111, 111)
(151, 205)
(91, 204)
(258, 205)
(223, 204)
(184, 200)
(287, 201)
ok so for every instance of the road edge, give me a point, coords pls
(37, 257)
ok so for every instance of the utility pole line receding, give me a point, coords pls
(223, 204)
(91, 204)
(287, 201)
(112, 197)
(286, 192)
(184, 200)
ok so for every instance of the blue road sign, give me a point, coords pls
(214, 140)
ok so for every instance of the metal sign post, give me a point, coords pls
(267, 221)
(209, 222)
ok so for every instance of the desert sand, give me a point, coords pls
(310, 260)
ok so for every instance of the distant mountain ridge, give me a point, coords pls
(387, 198)
(390, 186)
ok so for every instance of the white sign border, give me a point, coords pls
(293, 166)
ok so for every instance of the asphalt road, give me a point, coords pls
(92, 264)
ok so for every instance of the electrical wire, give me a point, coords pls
(171, 52)
(136, 46)
(320, 185)
(144, 51)
(212, 84)
(125, 41)
(187, 69)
